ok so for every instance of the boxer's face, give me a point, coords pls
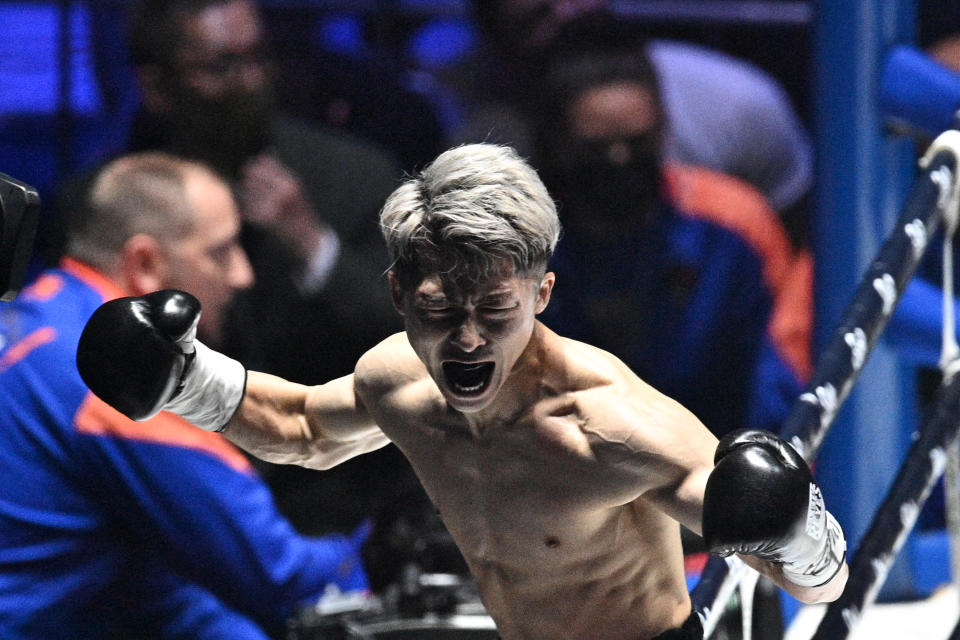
(209, 262)
(470, 339)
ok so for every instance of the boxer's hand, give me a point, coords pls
(761, 500)
(140, 356)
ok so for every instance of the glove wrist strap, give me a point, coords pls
(212, 389)
(819, 567)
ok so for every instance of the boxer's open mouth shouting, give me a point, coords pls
(468, 378)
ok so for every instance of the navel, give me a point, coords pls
(552, 542)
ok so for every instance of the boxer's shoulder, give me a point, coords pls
(390, 364)
(596, 374)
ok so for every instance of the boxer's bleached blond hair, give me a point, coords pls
(470, 212)
(142, 193)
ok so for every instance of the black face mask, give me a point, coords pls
(595, 192)
(224, 131)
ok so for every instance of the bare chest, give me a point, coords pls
(524, 489)
(546, 512)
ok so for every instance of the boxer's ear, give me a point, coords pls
(545, 290)
(396, 292)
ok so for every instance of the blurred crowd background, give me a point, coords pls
(370, 90)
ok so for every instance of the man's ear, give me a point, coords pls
(546, 288)
(143, 265)
(396, 293)
(150, 78)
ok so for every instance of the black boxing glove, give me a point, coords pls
(761, 500)
(140, 356)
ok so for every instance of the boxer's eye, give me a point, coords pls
(437, 313)
(497, 312)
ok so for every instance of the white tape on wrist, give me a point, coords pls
(817, 552)
(212, 389)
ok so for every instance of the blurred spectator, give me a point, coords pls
(207, 82)
(938, 31)
(684, 273)
(344, 68)
(310, 198)
(723, 113)
(114, 528)
(915, 329)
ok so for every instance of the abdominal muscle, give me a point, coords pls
(556, 530)
(553, 558)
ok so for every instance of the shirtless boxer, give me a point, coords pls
(562, 476)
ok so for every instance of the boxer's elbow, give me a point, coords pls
(327, 454)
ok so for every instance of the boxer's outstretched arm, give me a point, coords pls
(686, 505)
(761, 502)
(749, 494)
(289, 423)
(141, 357)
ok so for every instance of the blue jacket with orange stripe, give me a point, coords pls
(107, 524)
(707, 301)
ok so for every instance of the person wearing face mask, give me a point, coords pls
(726, 113)
(695, 262)
(309, 198)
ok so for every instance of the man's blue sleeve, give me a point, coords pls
(170, 607)
(214, 522)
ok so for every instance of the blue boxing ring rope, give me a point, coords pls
(932, 203)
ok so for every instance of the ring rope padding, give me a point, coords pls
(934, 198)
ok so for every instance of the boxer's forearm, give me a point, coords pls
(140, 355)
(288, 423)
(270, 422)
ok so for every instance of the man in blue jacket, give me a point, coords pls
(110, 527)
